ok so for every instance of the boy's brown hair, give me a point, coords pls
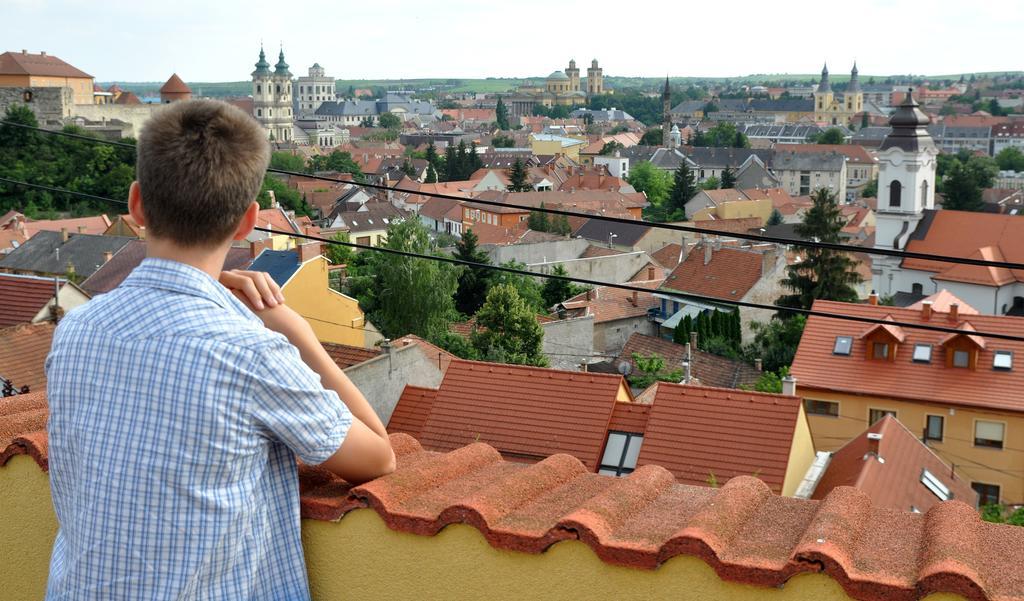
(200, 165)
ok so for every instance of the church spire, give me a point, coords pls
(824, 85)
(854, 79)
(262, 66)
(281, 68)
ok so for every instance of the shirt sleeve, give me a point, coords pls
(292, 405)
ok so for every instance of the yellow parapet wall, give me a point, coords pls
(359, 557)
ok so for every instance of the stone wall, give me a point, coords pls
(613, 268)
(539, 252)
(383, 378)
(134, 114)
(569, 342)
(49, 104)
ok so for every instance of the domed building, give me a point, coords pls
(561, 88)
(272, 97)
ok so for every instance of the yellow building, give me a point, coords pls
(838, 110)
(302, 276)
(561, 88)
(729, 203)
(959, 391)
(551, 144)
(26, 70)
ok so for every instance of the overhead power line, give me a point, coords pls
(903, 254)
(673, 295)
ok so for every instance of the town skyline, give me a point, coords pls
(225, 39)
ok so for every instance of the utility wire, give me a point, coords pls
(903, 254)
(673, 295)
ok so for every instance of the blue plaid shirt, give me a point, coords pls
(175, 421)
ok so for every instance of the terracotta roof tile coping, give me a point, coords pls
(741, 530)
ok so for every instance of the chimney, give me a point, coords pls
(142, 232)
(954, 312)
(873, 298)
(707, 252)
(42, 53)
(873, 439)
(693, 340)
(588, 294)
(633, 299)
(107, 256)
(273, 199)
(309, 251)
(926, 310)
(64, 234)
(789, 386)
(257, 246)
(758, 365)
(650, 273)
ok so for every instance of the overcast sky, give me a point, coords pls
(218, 40)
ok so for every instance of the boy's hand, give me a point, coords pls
(255, 288)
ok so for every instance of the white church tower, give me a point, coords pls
(272, 98)
(906, 190)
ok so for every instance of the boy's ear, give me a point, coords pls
(248, 221)
(135, 204)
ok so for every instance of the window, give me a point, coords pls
(880, 350)
(620, 453)
(1002, 360)
(895, 193)
(922, 353)
(924, 193)
(934, 426)
(935, 485)
(988, 494)
(961, 359)
(259, 112)
(989, 434)
(843, 345)
(876, 414)
(259, 89)
(917, 288)
(826, 408)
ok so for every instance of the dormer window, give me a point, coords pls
(620, 453)
(843, 345)
(922, 353)
(1003, 360)
(961, 358)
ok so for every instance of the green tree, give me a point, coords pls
(775, 218)
(684, 187)
(538, 220)
(681, 335)
(962, 189)
(870, 190)
(457, 345)
(431, 177)
(528, 288)
(775, 342)
(339, 161)
(723, 135)
(432, 158)
(1010, 159)
(728, 178)
(287, 161)
(338, 254)
(390, 121)
(554, 291)
(403, 295)
(508, 330)
(408, 169)
(651, 369)
(824, 273)
(832, 135)
(651, 137)
(654, 182)
(864, 122)
(501, 115)
(518, 178)
(502, 141)
(559, 224)
(711, 183)
(473, 281)
(610, 147)
(288, 198)
(770, 381)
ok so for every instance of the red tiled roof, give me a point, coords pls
(89, 225)
(730, 274)
(23, 351)
(412, 410)
(610, 304)
(668, 256)
(599, 251)
(707, 368)
(175, 85)
(346, 355)
(697, 431)
(23, 297)
(524, 412)
(740, 530)
(276, 219)
(739, 225)
(113, 272)
(650, 271)
(26, 63)
(896, 483)
(816, 366)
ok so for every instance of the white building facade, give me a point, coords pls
(272, 98)
(314, 90)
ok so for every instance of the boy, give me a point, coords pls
(180, 400)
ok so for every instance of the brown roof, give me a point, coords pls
(599, 251)
(896, 481)
(730, 274)
(993, 236)
(696, 432)
(707, 368)
(26, 63)
(543, 411)
(668, 256)
(346, 355)
(610, 304)
(23, 350)
(113, 272)
(412, 410)
(438, 208)
(175, 85)
(127, 98)
(78, 225)
(816, 366)
(742, 531)
(22, 297)
(855, 153)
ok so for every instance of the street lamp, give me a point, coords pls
(610, 237)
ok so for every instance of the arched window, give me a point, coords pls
(924, 193)
(895, 193)
(259, 112)
(258, 89)
(917, 288)
(278, 89)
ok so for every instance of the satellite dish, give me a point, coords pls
(625, 367)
